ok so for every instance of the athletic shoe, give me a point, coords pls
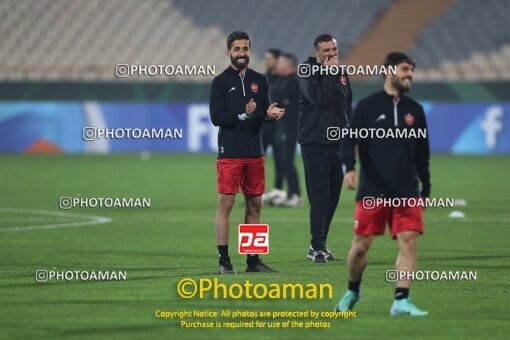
(225, 267)
(309, 255)
(268, 196)
(329, 255)
(259, 267)
(294, 202)
(348, 301)
(405, 307)
(275, 197)
(318, 256)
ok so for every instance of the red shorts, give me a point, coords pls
(247, 173)
(373, 221)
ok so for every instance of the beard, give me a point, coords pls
(401, 85)
(322, 60)
(241, 66)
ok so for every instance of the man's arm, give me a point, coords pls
(317, 89)
(422, 158)
(349, 106)
(348, 145)
(217, 106)
(266, 101)
(270, 111)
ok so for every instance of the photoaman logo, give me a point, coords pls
(188, 288)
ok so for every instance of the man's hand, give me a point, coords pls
(331, 61)
(350, 179)
(275, 112)
(250, 107)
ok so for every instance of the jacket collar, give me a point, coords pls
(390, 97)
(234, 71)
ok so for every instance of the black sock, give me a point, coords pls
(223, 251)
(252, 258)
(354, 286)
(401, 293)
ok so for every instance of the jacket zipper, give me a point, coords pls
(242, 84)
(395, 112)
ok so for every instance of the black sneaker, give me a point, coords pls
(309, 255)
(225, 267)
(319, 256)
(259, 267)
(329, 256)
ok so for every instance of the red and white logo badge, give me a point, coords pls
(409, 119)
(343, 80)
(254, 87)
(253, 239)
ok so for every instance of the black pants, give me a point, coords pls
(268, 135)
(324, 177)
(284, 151)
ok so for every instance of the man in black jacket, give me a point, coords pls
(325, 105)
(271, 60)
(239, 104)
(276, 196)
(390, 169)
(286, 93)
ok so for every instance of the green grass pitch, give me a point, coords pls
(174, 238)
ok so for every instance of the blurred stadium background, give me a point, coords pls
(57, 76)
(58, 57)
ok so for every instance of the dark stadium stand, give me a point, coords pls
(83, 40)
(289, 24)
(469, 26)
(471, 41)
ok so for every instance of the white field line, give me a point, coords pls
(92, 220)
(89, 219)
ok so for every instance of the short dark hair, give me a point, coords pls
(322, 38)
(237, 35)
(395, 58)
(291, 58)
(275, 52)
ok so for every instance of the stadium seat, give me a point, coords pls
(62, 40)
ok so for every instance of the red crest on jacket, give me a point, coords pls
(409, 119)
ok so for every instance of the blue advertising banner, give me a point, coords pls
(459, 128)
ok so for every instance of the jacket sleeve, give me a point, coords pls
(422, 157)
(349, 143)
(349, 107)
(317, 89)
(217, 106)
(265, 101)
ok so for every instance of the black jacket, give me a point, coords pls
(286, 93)
(272, 80)
(325, 102)
(390, 167)
(229, 94)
